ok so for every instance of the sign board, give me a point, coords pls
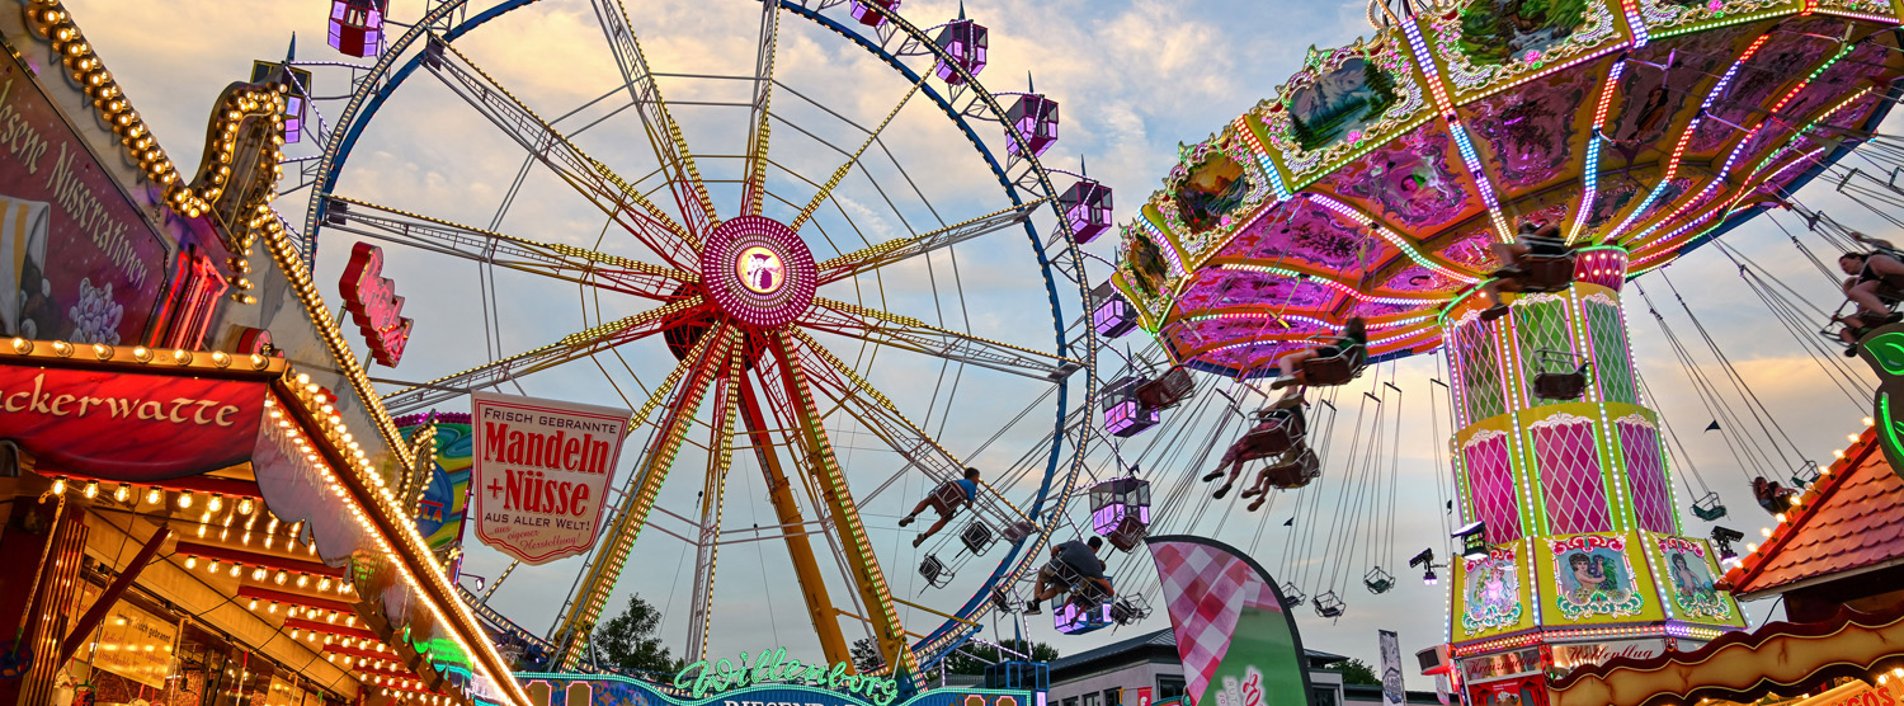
(541, 473)
(372, 301)
(1570, 656)
(702, 678)
(445, 500)
(78, 262)
(1143, 696)
(129, 426)
(1393, 693)
(589, 689)
(130, 642)
(1477, 670)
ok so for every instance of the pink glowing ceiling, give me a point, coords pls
(1373, 182)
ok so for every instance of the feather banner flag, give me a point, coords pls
(1239, 645)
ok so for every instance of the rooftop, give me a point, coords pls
(1850, 521)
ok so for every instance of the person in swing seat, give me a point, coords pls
(946, 499)
(1353, 343)
(1081, 559)
(1283, 412)
(1532, 240)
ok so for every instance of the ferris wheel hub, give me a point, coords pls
(758, 271)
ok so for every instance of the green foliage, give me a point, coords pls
(1356, 671)
(628, 643)
(974, 657)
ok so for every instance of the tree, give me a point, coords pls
(1356, 671)
(628, 643)
(865, 655)
(975, 657)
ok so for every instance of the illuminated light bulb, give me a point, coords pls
(253, 605)
(244, 506)
(191, 562)
(1752, 548)
(1870, 422)
(257, 574)
(59, 486)
(303, 579)
(1765, 531)
(1781, 520)
(235, 568)
(122, 492)
(1853, 438)
(185, 500)
(279, 579)
(92, 490)
(213, 568)
(215, 504)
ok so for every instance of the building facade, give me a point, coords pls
(1146, 671)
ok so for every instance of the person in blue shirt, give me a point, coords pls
(947, 499)
(1082, 560)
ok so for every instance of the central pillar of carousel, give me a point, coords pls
(1577, 555)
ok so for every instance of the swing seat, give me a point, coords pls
(1329, 371)
(1709, 507)
(946, 498)
(1292, 596)
(1546, 273)
(1378, 581)
(1272, 440)
(1293, 474)
(977, 537)
(1167, 391)
(1129, 609)
(1017, 531)
(1570, 385)
(935, 572)
(1128, 533)
(1330, 606)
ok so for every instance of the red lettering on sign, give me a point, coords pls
(374, 305)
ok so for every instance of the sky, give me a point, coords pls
(1134, 79)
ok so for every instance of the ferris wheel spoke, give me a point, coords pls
(713, 501)
(845, 168)
(555, 260)
(608, 191)
(575, 346)
(664, 135)
(910, 334)
(793, 532)
(878, 415)
(823, 468)
(686, 388)
(900, 249)
(755, 183)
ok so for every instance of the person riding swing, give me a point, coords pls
(1534, 244)
(1875, 285)
(1333, 363)
(946, 499)
(1279, 430)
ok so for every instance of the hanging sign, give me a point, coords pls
(1393, 693)
(129, 426)
(541, 473)
(372, 301)
(78, 262)
(703, 678)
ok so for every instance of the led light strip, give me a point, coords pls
(1591, 173)
(1685, 136)
(1393, 238)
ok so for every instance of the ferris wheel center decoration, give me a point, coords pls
(758, 271)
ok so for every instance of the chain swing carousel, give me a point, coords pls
(1408, 180)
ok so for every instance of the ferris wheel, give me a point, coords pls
(820, 261)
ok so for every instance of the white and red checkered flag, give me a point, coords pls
(1239, 647)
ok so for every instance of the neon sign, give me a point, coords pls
(703, 677)
(373, 303)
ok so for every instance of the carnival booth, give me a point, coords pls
(199, 506)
